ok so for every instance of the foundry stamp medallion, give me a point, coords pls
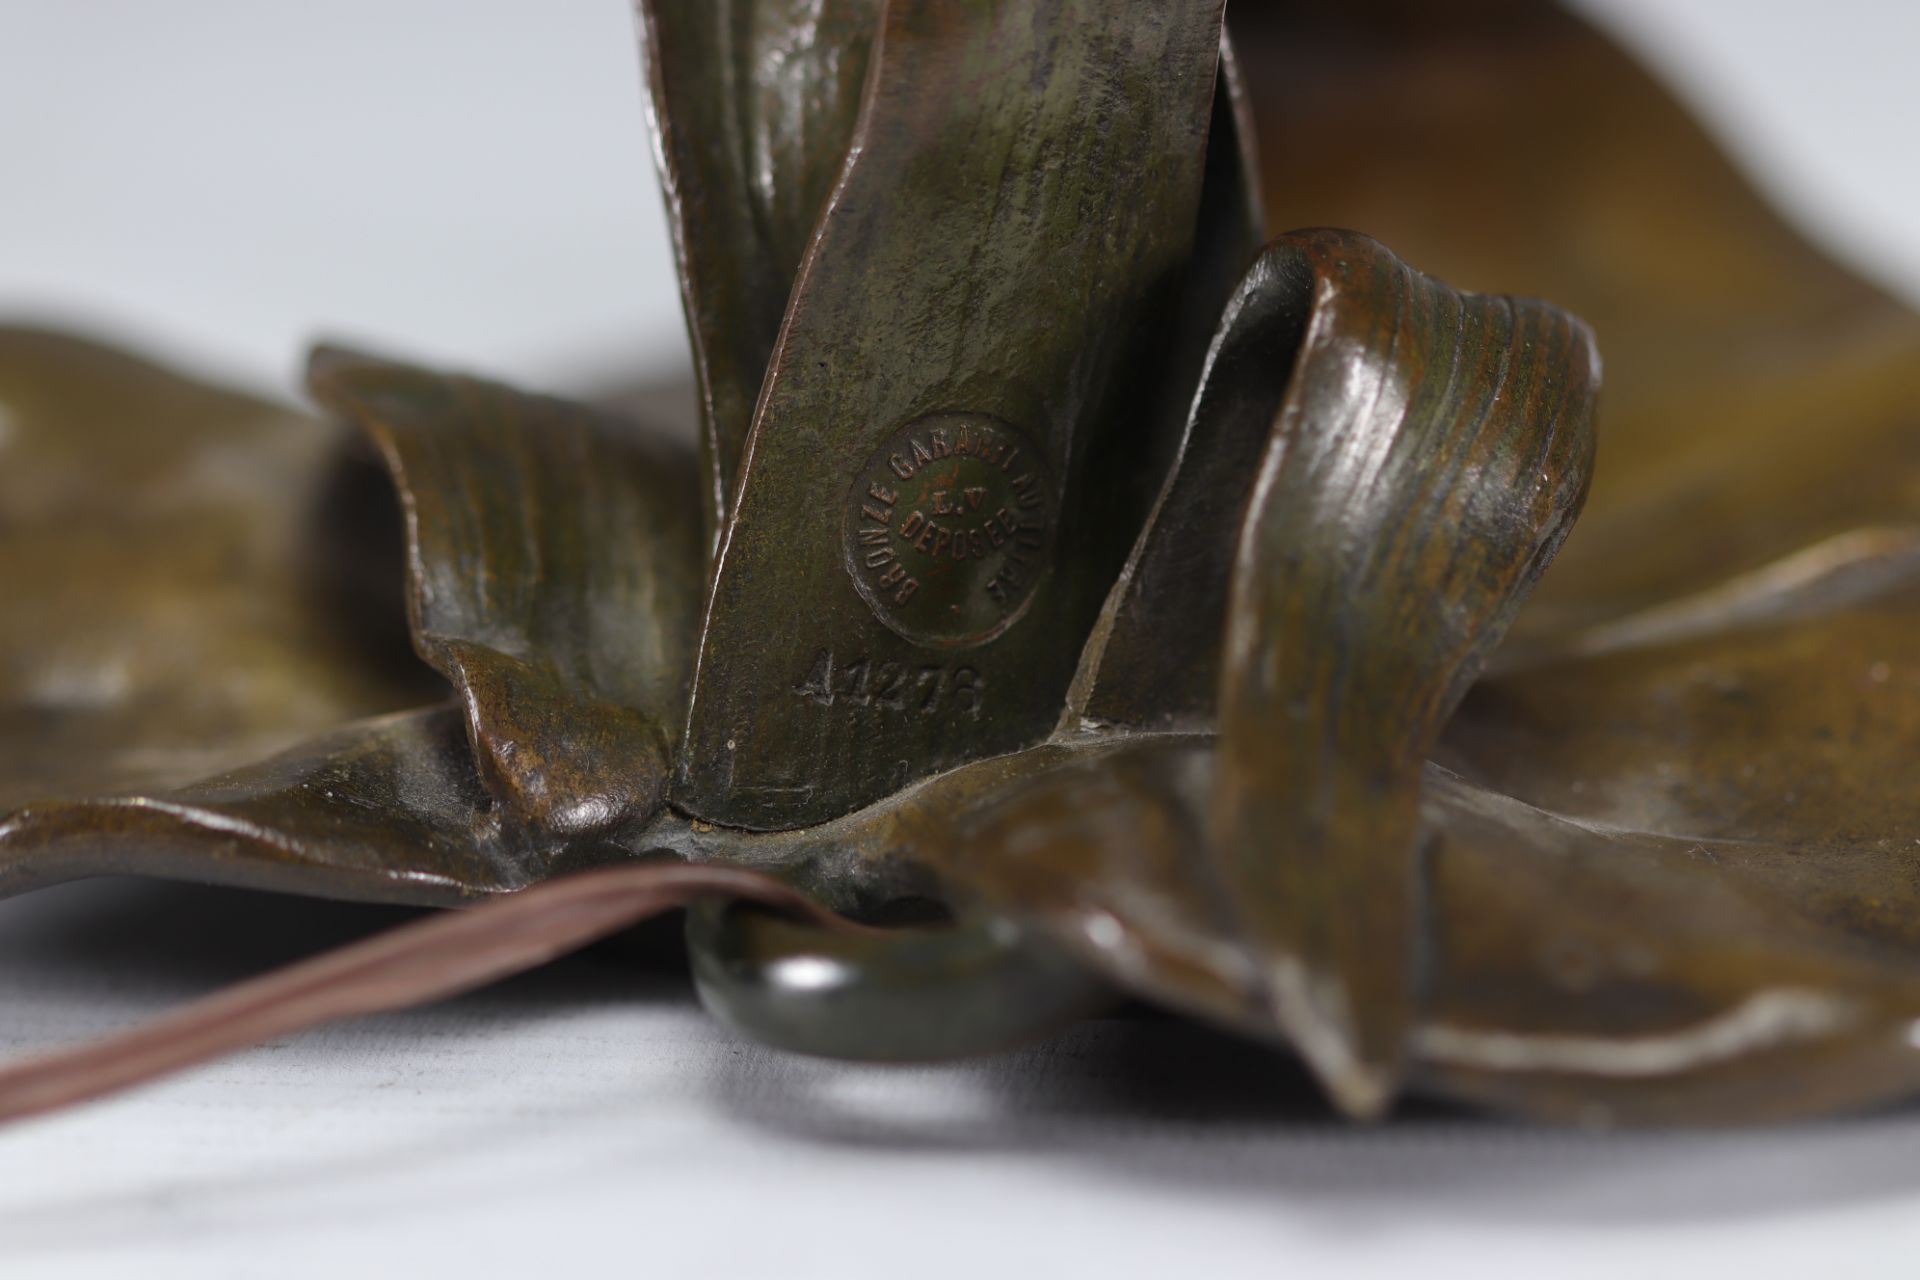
(949, 528)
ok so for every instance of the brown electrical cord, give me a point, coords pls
(426, 960)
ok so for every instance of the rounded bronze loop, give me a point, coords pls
(885, 995)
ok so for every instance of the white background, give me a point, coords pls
(468, 181)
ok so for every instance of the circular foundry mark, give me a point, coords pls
(949, 527)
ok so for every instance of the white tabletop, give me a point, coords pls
(590, 1117)
(468, 181)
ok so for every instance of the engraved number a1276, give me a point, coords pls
(892, 686)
